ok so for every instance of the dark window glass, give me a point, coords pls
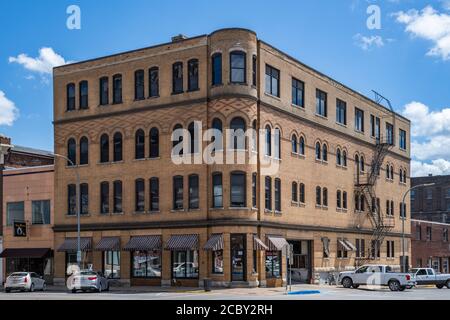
(338, 157)
(277, 133)
(318, 151)
(104, 148)
(238, 66)
(117, 197)
(154, 194)
(84, 151)
(193, 75)
(325, 197)
(268, 192)
(71, 200)
(71, 96)
(359, 120)
(402, 139)
(302, 146)
(294, 144)
(298, 92)
(321, 103)
(344, 158)
(104, 198)
(277, 195)
(338, 199)
(177, 77)
(117, 147)
(193, 192)
(375, 127)
(104, 91)
(153, 75)
(302, 193)
(40, 212)
(272, 81)
(84, 94)
(318, 196)
(72, 152)
(146, 264)
(389, 133)
(193, 133)
(341, 112)
(254, 70)
(111, 264)
(140, 144)
(324, 152)
(217, 69)
(154, 143)
(139, 85)
(117, 88)
(177, 193)
(84, 198)
(344, 200)
(273, 264)
(254, 190)
(185, 264)
(294, 192)
(218, 141)
(177, 135)
(268, 141)
(217, 190)
(238, 127)
(238, 190)
(140, 195)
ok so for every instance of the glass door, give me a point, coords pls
(238, 257)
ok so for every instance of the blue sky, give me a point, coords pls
(407, 60)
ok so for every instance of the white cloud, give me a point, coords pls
(44, 64)
(433, 147)
(367, 43)
(431, 25)
(446, 4)
(8, 110)
(436, 167)
(425, 122)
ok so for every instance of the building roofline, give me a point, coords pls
(431, 222)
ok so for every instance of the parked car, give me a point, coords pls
(24, 281)
(87, 280)
(381, 275)
(426, 276)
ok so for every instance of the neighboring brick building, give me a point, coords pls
(149, 221)
(430, 246)
(431, 203)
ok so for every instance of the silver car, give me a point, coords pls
(89, 281)
(24, 281)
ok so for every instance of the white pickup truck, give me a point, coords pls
(426, 276)
(376, 275)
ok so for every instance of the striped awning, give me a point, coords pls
(183, 242)
(71, 245)
(258, 244)
(344, 245)
(276, 243)
(350, 245)
(108, 244)
(144, 243)
(326, 245)
(215, 243)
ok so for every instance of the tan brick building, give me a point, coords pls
(148, 221)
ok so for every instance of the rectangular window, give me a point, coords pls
(193, 192)
(254, 204)
(341, 251)
(139, 85)
(298, 93)
(445, 235)
(390, 249)
(272, 81)
(321, 103)
(84, 198)
(360, 248)
(146, 264)
(341, 112)
(254, 70)
(278, 195)
(273, 264)
(389, 133)
(238, 187)
(70, 92)
(104, 198)
(15, 212)
(359, 120)
(375, 127)
(268, 193)
(71, 200)
(117, 89)
(193, 75)
(40, 212)
(217, 69)
(118, 197)
(429, 234)
(154, 194)
(178, 193)
(153, 75)
(83, 95)
(238, 67)
(185, 264)
(217, 262)
(104, 91)
(217, 190)
(140, 195)
(402, 139)
(111, 264)
(418, 232)
(177, 77)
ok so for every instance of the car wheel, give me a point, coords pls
(447, 284)
(7, 290)
(74, 290)
(32, 287)
(402, 288)
(355, 286)
(439, 286)
(394, 285)
(347, 283)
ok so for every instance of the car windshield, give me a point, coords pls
(413, 270)
(19, 274)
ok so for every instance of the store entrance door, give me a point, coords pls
(301, 267)
(238, 257)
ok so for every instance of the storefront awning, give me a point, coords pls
(326, 245)
(183, 242)
(215, 243)
(143, 243)
(344, 245)
(108, 244)
(258, 244)
(350, 245)
(276, 243)
(71, 245)
(26, 253)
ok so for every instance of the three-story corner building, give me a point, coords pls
(146, 220)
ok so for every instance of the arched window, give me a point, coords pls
(117, 197)
(357, 206)
(324, 152)
(318, 151)
(193, 191)
(104, 197)
(325, 197)
(193, 133)
(302, 146)
(153, 78)
(140, 144)
(362, 202)
(140, 195)
(401, 175)
(83, 94)
(318, 196)
(154, 143)
(277, 195)
(268, 192)
(302, 193)
(344, 158)
(392, 208)
(277, 136)
(104, 148)
(177, 77)
(177, 192)
(338, 157)
(193, 75)
(238, 127)
(216, 60)
(72, 152)
(361, 166)
(338, 199)
(392, 172)
(139, 85)
(218, 134)
(84, 151)
(177, 138)
(294, 192)
(154, 194)
(254, 136)
(70, 96)
(117, 88)
(268, 141)
(357, 164)
(344, 200)
(238, 193)
(238, 67)
(294, 144)
(388, 171)
(117, 147)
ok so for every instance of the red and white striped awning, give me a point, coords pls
(276, 243)
(144, 243)
(215, 243)
(183, 242)
(258, 244)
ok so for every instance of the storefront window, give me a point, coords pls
(238, 257)
(146, 264)
(41, 266)
(71, 262)
(273, 264)
(217, 262)
(111, 264)
(41, 212)
(14, 212)
(185, 264)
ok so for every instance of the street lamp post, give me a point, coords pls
(404, 266)
(77, 205)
